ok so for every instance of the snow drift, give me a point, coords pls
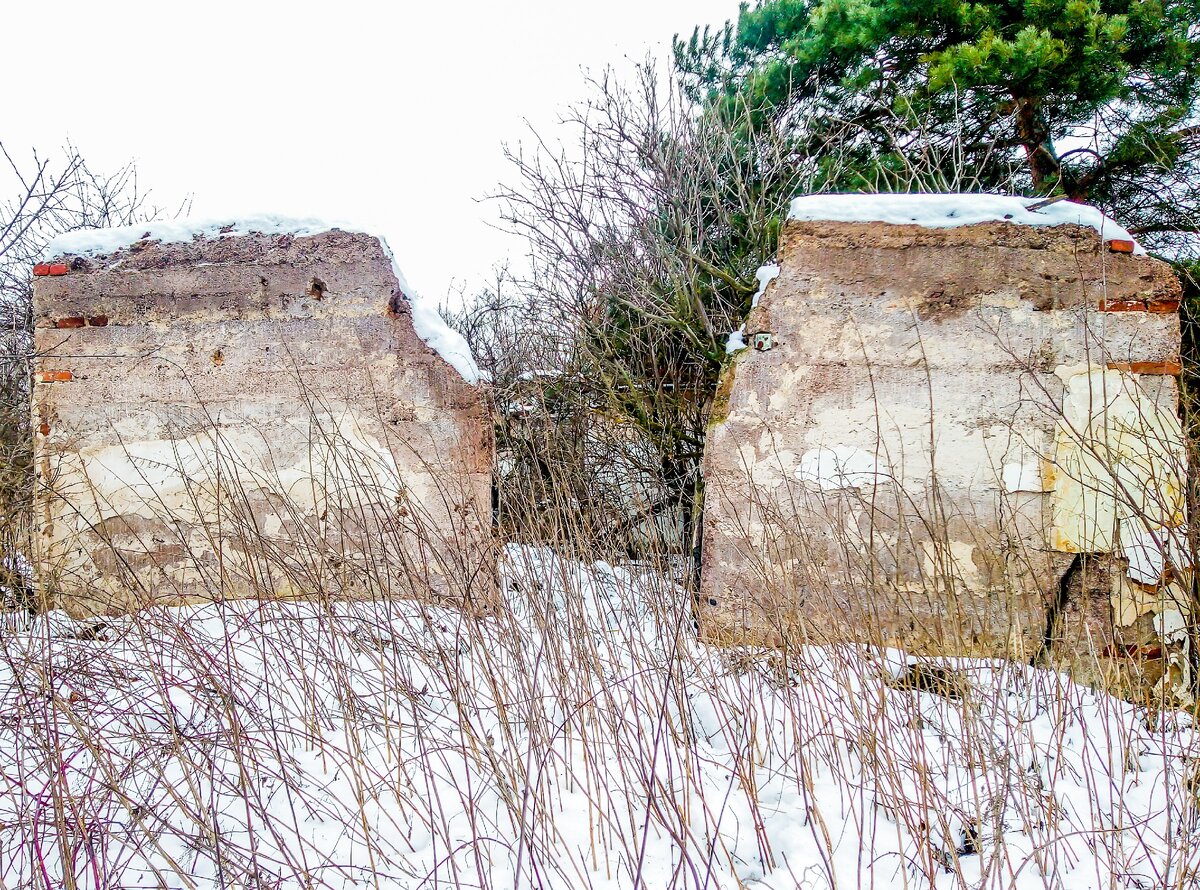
(581, 738)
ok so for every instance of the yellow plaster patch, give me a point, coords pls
(1116, 457)
(956, 559)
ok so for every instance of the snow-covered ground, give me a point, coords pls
(579, 738)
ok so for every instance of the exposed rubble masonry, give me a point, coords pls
(959, 440)
(241, 413)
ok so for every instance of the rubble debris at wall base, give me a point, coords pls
(255, 415)
(963, 441)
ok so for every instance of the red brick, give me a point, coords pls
(54, 376)
(1165, 307)
(41, 269)
(1122, 305)
(1150, 651)
(1121, 245)
(1169, 368)
(97, 321)
(57, 269)
(74, 321)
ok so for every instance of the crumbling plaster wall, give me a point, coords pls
(250, 415)
(959, 441)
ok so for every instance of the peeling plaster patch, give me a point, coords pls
(1084, 512)
(767, 464)
(1000, 300)
(1151, 550)
(1021, 315)
(1170, 624)
(886, 430)
(955, 559)
(182, 476)
(1129, 602)
(1117, 458)
(840, 467)
(753, 404)
(1145, 554)
(1023, 475)
(779, 402)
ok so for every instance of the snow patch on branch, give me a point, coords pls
(765, 275)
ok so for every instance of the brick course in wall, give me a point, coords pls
(250, 415)
(923, 458)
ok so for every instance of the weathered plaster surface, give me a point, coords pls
(251, 415)
(946, 420)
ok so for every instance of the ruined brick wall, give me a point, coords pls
(251, 415)
(958, 441)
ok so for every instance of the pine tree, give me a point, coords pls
(1092, 99)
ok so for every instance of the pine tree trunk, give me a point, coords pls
(1043, 166)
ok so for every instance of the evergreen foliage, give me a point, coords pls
(1092, 99)
(647, 248)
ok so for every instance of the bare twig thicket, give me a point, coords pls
(51, 195)
(575, 735)
(643, 236)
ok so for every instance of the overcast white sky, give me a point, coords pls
(389, 114)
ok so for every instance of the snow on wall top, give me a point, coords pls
(942, 211)
(427, 321)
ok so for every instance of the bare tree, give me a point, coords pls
(57, 195)
(644, 236)
(51, 195)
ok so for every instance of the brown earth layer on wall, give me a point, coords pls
(943, 425)
(251, 415)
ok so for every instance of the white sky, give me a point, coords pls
(392, 115)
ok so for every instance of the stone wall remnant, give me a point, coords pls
(958, 439)
(247, 411)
